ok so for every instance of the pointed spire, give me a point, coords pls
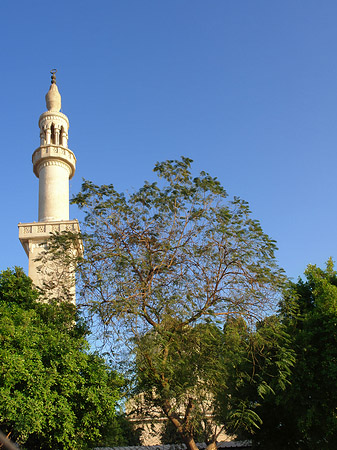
(53, 97)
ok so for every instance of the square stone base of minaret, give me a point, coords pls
(33, 237)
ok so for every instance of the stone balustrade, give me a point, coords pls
(53, 153)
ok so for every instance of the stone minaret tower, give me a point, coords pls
(53, 164)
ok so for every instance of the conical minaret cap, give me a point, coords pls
(53, 97)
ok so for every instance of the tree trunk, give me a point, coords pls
(188, 440)
(190, 443)
(212, 446)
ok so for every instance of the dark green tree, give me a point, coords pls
(163, 269)
(303, 417)
(54, 393)
(258, 365)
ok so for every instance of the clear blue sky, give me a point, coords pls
(247, 89)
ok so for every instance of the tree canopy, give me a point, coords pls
(54, 393)
(303, 417)
(163, 270)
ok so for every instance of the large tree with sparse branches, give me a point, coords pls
(163, 270)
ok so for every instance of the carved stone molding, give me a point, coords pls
(56, 117)
(53, 162)
(53, 153)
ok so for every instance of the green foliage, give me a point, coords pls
(179, 372)
(258, 364)
(169, 434)
(163, 269)
(16, 289)
(120, 432)
(53, 393)
(180, 251)
(304, 416)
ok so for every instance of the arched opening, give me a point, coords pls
(52, 134)
(62, 137)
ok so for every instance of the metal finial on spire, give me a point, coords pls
(53, 97)
(53, 76)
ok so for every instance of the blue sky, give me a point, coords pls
(247, 89)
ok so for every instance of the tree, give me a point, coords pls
(259, 365)
(304, 416)
(54, 393)
(163, 268)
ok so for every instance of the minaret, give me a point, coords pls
(53, 164)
